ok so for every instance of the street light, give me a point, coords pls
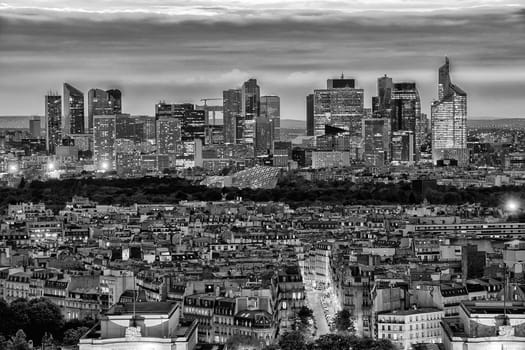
(512, 205)
(12, 168)
(104, 165)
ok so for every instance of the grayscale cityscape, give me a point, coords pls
(262, 175)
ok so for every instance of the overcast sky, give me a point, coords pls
(181, 51)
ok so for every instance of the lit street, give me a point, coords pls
(314, 298)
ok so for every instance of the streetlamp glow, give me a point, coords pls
(12, 168)
(51, 166)
(512, 205)
(104, 165)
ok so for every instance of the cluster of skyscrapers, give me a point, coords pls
(250, 118)
(394, 130)
(65, 114)
(173, 137)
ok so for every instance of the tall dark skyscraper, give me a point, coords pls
(251, 107)
(73, 116)
(231, 106)
(53, 121)
(384, 96)
(102, 102)
(263, 135)
(310, 115)
(271, 109)
(406, 112)
(449, 120)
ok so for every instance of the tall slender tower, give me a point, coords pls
(251, 107)
(385, 87)
(271, 110)
(449, 120)
(104, 137)
(73, 116)
(231, 106)
(405, 113)
(53, 120)
(310, 115)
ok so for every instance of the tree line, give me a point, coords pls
(291, 189)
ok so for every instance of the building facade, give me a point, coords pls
(53, 120)
(73, 116)
(449, 121)
(340, 107)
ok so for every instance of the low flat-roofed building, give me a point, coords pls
(141, 326)
(486, 325)
(405, 328)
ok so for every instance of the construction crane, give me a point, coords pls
(212, 109)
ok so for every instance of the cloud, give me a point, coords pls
(197, 50)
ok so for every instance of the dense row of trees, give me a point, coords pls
(37, 320)
(291, 189)
(296, 341)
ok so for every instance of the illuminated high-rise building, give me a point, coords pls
(168, 135)
(340, 107)
(250, 110)
(231, 106)
(104, 138)
(73, 116)
(449, 120)
(102, 102)
(271, 109)
(376, 140)
(53, 121)
(405, 112)
(192, 121)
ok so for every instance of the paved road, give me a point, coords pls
(314, 302)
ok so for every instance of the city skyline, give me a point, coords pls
(183, 53)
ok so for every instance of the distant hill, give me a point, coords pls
(14, 121)
(293, 124)
(506, 123)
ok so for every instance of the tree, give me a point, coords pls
(345, 342)
(72, 335)
(5, 320)
(237, 342)
(19, 312)
(3, 343)
(292, 341)
(45, 317)
(343, 321)
(333, 342)
(19, 342)
(305, 314)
